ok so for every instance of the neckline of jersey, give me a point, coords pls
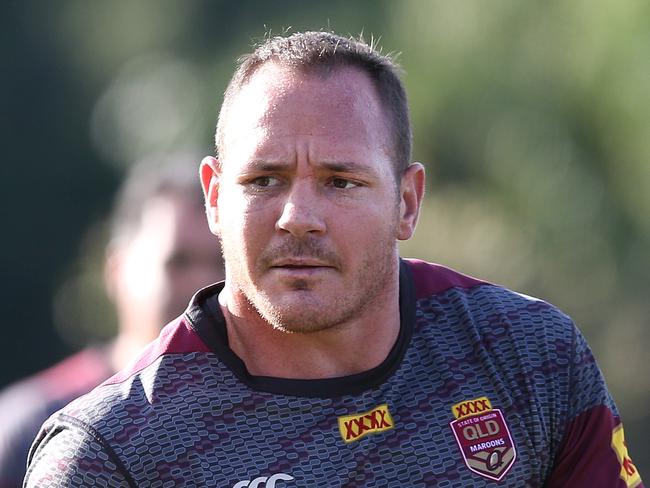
(206, 319)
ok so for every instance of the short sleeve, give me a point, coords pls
(71, 456)
(593, 452)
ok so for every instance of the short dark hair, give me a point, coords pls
(175, 174)
(323, 53)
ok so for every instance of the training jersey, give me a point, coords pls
(484, 387)
(26, 404)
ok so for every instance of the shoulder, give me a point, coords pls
(527, 343)
(71, 453)
(431, 279)
(133, 408)
(177, 337)
(485, 305)
(166, 373)
(144, 377)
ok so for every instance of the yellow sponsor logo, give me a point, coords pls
(628, 473)
(471, 407)
(357, 426)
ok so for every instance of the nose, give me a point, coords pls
(302, 211)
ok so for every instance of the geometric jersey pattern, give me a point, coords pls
(188, 419)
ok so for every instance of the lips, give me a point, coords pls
(300, 263)
(304, 254)
(301, 268)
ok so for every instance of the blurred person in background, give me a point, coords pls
(160, 252)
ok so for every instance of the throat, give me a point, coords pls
(306, 334)
(330, 353)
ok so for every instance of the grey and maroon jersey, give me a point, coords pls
(484, 387)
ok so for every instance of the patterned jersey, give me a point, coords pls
(483, 387)
(25, 405)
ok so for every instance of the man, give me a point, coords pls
(161, 250)
(324, 359)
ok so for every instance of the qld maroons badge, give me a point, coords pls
(483, 437)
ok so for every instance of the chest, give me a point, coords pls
(428, 426)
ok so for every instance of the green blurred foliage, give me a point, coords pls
(536, 120)
(533, 119)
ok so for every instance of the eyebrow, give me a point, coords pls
(333, 166)
(266, 166)
(347, 167)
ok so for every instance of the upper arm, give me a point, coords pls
(593, 451)
(71, 456)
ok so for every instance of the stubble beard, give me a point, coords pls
(316, 312)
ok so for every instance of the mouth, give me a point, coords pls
(294, 263)
(301, 268)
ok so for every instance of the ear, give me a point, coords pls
(411, 194)
(210, 171)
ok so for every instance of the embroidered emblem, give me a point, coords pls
(483, 437)
(354, 427)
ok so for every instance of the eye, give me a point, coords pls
(343, 183)
(265, 181)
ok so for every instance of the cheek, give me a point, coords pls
(369, 219)
(234, 198)
(245, 235)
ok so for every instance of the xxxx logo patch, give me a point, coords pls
(483, 437)
(628, 472)
(357, 426)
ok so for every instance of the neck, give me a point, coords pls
(351, 347)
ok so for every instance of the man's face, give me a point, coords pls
(308, 208)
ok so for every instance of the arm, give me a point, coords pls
(593, 452)
(69, 455)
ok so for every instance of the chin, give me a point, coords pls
(293, 325)
(303, 314)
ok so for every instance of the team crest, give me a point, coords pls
(483, 437)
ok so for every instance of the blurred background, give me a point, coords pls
(533, 119)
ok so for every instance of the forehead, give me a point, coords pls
(279, 102)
